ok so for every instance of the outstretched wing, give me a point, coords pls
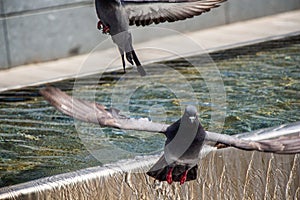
(98, 114)
(281, 145)
(143, 12)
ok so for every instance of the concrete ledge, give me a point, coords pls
(43, 30)
(222, 174)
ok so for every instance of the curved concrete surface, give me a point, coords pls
(223, 174)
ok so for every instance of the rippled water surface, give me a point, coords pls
(261, 82)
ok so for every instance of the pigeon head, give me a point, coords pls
(191, 113)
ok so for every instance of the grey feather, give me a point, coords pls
(148, 12)
(96, 113)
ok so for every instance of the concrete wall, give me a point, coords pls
(40, 30)
(223, 174)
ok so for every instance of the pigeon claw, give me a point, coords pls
(105, 29)
(169, 176)
(99, 25)
(183, 177)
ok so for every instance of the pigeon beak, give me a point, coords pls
(192, 118)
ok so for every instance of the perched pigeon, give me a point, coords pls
(184, 137)
(116, 16)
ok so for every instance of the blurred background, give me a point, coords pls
(34, 31)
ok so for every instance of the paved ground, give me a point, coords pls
(237, 34)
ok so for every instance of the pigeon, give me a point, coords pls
(185, 137)
(115, 17)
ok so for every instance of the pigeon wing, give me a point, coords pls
(96, 113)
(147, 12)
(282, 145)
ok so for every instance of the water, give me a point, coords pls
(262, 84)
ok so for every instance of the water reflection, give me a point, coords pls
(262, 85)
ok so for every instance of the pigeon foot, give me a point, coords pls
(105, 29)
(183, 178)
(169, 176)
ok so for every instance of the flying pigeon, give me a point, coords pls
(185, 137)
(184, 141)
(115, 17)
